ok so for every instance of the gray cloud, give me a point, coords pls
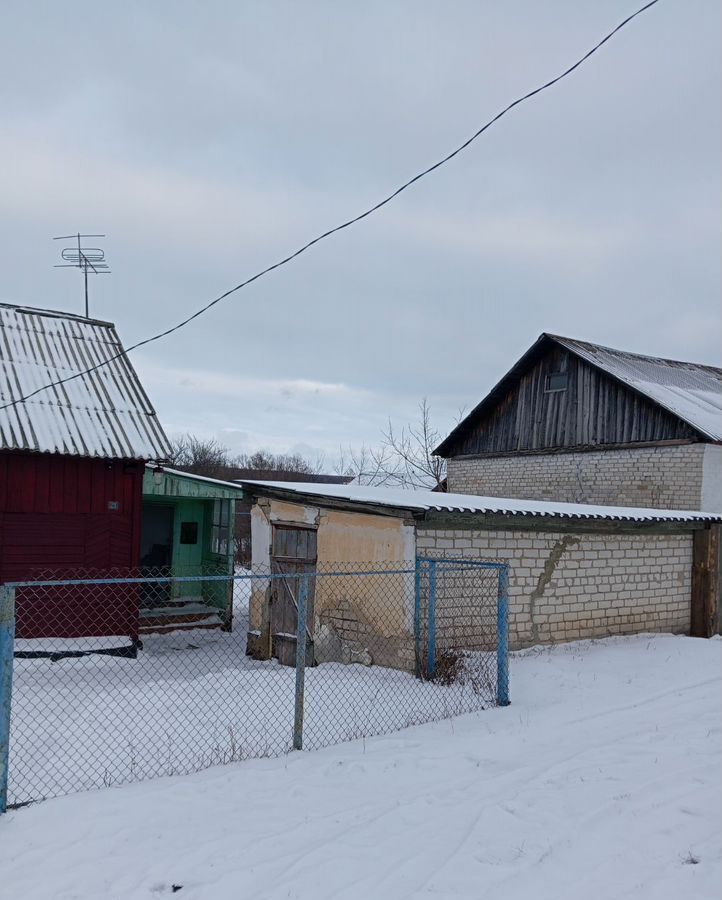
(209, 139)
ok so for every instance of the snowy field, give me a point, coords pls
(602, 780)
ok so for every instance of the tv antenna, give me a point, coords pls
(87, 259)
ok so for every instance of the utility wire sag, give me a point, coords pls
(349, 222)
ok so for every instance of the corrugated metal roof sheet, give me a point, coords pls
(234, 486)
(689, 390)
(105, 413)
(469, 503)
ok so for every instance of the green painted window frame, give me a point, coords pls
(220, 527)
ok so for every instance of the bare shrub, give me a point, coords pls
(460, 667)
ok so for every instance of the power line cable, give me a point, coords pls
(349, 222)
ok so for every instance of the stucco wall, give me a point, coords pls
(565, 586)
(712, 479)
(661, 477)
(357, 618)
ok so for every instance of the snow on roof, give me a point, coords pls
(105, 413)
(427, 501)
(234, 485)
(691, 391)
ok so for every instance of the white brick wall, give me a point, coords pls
(568, 586)
(661, 477)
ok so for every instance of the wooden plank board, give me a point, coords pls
(704, 619)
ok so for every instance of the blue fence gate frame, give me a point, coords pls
(426, 571)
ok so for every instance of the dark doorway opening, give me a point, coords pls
(156, 552)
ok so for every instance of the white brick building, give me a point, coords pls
(566, 586)
(582, 423)
(575, 571)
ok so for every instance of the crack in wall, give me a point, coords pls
(550, 565)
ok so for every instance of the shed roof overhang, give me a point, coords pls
(161, 482)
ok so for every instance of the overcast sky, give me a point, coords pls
(207, 139)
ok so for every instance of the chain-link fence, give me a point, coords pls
(136, 676)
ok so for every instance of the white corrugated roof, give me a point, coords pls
(470, 503)
(105, 413)
(689, 390)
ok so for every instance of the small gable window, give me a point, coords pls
(555, 381)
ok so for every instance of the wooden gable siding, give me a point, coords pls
(593, 410)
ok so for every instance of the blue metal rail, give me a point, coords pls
(7, 640)
(161, 579)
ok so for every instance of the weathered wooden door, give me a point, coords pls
(293, 554)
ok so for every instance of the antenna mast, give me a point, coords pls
(84, 258)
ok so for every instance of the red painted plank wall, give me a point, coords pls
(56, 516)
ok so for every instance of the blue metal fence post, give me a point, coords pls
(7, 640)
(417, 615)
(300, 662)
(431, 652)
(502, 640)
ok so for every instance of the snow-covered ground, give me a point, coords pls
(602, 780)
(193, 699)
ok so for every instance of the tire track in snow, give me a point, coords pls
(357, 813)
(598, 813)
(533, 776)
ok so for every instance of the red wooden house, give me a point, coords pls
(72, 459)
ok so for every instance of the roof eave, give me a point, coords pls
(236, 487)
(520, 364)
(475, 518)
(489, 519)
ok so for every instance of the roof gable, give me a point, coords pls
(104, 413)
(691, 393)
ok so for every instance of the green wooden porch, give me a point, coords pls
(187, 531)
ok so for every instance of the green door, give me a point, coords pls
(188, 547)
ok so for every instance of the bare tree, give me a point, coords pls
(414, 463)
(403, 459)
(208, 457)
(368, 465)
(200, 456)
(264, 461)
